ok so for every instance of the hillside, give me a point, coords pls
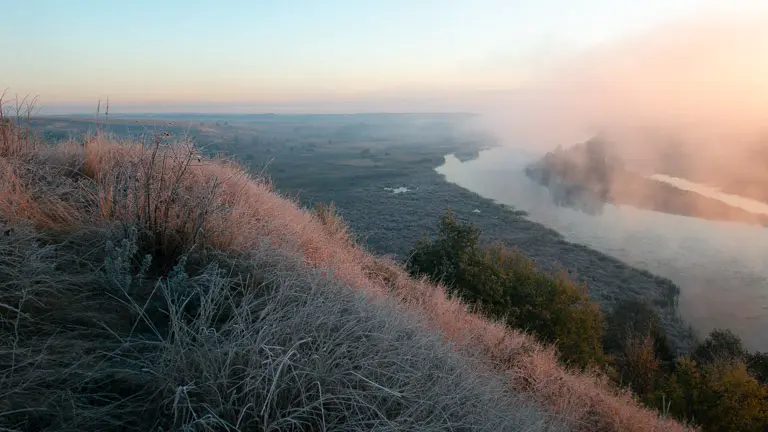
(357, 160)
(144, 288)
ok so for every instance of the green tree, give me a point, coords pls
(638, 345)
(678, 393)
(506, 285)
(718, 396)
(440, 259)
(635, 318)
(721, 344)
(757, 365)
(639, 365)
(732, 400)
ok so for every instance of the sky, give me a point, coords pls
(702, 77)
(307, 55)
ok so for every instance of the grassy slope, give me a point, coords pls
(317, 158)
(181, 205)
(284, 349)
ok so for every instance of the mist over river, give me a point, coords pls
(721, 267)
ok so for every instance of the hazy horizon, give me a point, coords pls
(646, 74)
(342, 56)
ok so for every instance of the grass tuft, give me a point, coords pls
(17, 139)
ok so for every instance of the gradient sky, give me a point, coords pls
(197, 52)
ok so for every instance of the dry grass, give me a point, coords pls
(17, 139)
(182, 203)
(93, 342)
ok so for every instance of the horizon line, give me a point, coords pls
(264, 113)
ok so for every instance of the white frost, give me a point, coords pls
(398, 190)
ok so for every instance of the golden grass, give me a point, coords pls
(17, 139)
(185, 202)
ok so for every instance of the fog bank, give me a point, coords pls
(694, 91)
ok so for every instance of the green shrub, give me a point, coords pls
(635, 318)
(506, 285)
(440, 259)
(718, 387)
(638, 345)
(721, 344)
(719, 396)
(640, 365)
(757, 365)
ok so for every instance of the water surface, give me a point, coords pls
(721, 267)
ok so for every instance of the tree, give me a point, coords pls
(757, 365)
(440, 259)
(719, 396)
(636, 318)
(732, 400)
(506, 285)
(721, 344)
(639, 365)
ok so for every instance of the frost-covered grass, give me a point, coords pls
(94, 339)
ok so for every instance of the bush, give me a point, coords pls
(718, 387)
(506, 285)
(639, 364)
(639, 346)
(635, 318)
(441, 259)
(731, 399)
(757, 364)
(724, 346)
(721, 344)
(719, 396)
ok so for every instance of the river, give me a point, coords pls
(721, 267)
